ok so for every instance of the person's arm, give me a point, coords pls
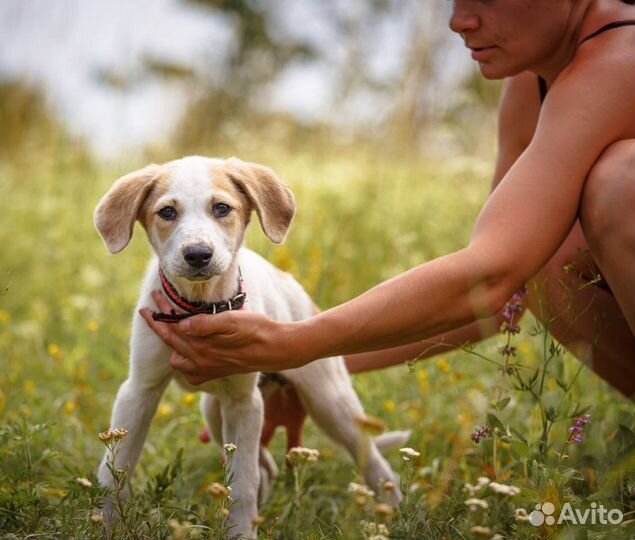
(517, 117)
(522, 224)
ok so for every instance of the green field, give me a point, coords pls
(365, 213)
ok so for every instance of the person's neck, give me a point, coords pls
(580, 21)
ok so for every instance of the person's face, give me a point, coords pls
(510, 36)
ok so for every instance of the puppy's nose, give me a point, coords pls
(197, 256)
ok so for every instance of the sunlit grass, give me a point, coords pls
(364, 214)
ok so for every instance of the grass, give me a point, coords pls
(365, 214)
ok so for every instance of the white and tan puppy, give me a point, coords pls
(195, 211)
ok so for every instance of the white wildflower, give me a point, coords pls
(218, 491)
(384, 511)
(110, 434)
(475, 503)
(388, 487)
(299, 454)
(84, 482)
(408, 454)
(478, 530)
(374, 531)
(97, 518)
(360, 489)
(504, 489)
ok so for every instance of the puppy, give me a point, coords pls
(195, 211)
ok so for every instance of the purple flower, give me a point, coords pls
(507, 351)
(481, 433)
(510, 312)
(509, 328)
(577, 429)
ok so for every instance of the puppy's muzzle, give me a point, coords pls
(198, 256)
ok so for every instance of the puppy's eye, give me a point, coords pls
(167, 213)
(221, 209)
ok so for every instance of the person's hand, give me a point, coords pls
(211, 346)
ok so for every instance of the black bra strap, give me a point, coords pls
(542, 87)
(542, 84)
(609, 26)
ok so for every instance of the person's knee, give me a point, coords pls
(608, 192)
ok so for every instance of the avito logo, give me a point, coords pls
(596, 514)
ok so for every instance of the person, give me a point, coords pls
(561, 211)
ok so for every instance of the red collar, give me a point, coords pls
(195, 308)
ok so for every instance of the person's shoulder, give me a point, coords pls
(599, 81)
(606, 58)
(592, 100)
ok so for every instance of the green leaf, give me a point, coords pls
(518, 435)
(501, 403)
(494, 421)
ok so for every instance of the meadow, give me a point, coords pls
(365, 213)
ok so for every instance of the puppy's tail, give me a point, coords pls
(390, 440)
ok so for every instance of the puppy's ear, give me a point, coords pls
(273, 200)
(117, 211)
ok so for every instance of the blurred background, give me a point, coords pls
(119, 77)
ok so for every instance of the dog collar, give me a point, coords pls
(236, 302)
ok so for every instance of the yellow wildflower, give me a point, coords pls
(444, 365)
(92, 326)
(55, 492)
(165, 410)
(70, 406)
(5, 317)
(422, 381)
(189, 399)
(54, 351)
(389, 406)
